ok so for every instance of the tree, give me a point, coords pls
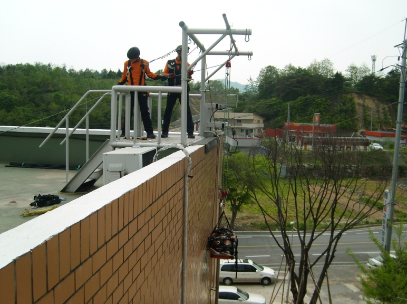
(386, 283)
(320, 193)
(324, 67)
(267, 82)
(238, 194)
(355, 73)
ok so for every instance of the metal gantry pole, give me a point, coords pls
(184, 86)
(67, 149)
(203, 118)
(397, 143)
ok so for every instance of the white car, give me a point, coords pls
(377, 261)
(231, 294)
(247, 271)
(375, 146)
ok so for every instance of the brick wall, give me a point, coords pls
(121, 243)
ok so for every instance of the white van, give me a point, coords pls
(247, 271)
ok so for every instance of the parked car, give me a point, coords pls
(231, 294)
(377, 261)
(247, 271)
(375, 146)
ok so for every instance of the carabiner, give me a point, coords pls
(246, 37)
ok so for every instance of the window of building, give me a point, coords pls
(239, 121)
(258, 121)
(242, 130)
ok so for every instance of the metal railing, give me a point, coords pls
(68, 134)
(116, 114)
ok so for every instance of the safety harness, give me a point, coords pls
(175, 79)
(130, 76)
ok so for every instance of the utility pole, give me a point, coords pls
(397, 140)
(288, 125)
(313, 126)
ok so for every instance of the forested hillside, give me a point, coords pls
(40, 95)
(354, 101)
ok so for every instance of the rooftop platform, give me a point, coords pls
(18, 186)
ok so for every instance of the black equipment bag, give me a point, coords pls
(45, 200)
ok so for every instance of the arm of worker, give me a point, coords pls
(151, 74)
(123, 80)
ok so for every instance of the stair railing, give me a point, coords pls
(68, 134)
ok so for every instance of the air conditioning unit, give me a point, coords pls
(121, 162)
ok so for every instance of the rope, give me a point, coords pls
(163, 56)
(227, 89)
(208, 68)
(169, 53)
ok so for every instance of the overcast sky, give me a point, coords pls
(96, 34)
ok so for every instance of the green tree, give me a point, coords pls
(320, 194)
(238, 193)
(355, 73)
(386, 283)
(324, 67)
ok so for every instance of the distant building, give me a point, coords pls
(297, 131)
(383, 137)
(241, 125)
(306, 135)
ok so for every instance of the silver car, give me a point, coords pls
(247, 271)
(377, 261)
(231, 294)
(375, 146)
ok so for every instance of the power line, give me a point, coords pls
(366, 39)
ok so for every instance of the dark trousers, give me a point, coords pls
(171, 100)
(145, 114)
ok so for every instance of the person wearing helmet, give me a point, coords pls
(134, 73)
(172, 70)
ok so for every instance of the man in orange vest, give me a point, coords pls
(172, 70)
(134, 73)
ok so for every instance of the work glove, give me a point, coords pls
(119, 83)
(172, 75)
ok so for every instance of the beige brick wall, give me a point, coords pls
(130, 250)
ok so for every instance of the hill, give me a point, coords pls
(370, 109)
(239, 86)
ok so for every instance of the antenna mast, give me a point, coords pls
(373, 64)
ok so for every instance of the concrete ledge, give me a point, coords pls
(31, 234)
(209, 143)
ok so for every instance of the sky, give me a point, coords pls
(96, 34)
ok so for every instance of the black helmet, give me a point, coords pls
(133, 53)
(179, 49)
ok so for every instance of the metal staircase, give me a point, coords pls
(90, 172)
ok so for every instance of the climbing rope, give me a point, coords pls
(225, 145)
(169, 53)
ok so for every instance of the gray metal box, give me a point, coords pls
(121, 162)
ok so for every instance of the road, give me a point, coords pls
(262, 248)
(343, 272)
